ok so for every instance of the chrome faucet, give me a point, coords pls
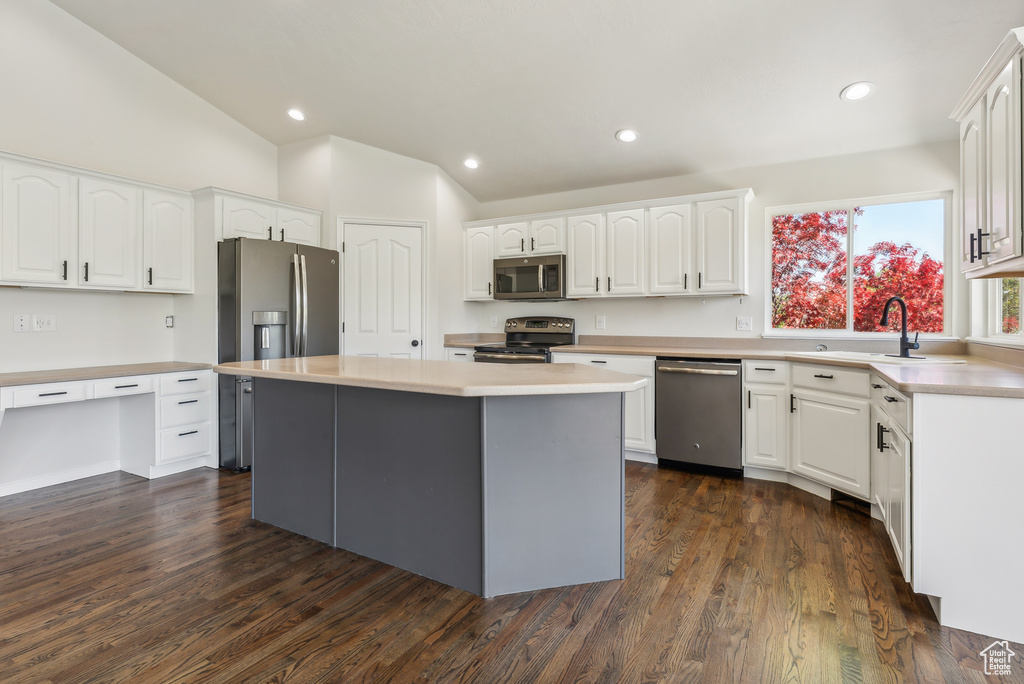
(905, 344)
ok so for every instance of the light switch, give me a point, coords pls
(744, 323)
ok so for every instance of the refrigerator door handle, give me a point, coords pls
(305, 307)
(296, 307)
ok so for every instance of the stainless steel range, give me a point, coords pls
(528, 340)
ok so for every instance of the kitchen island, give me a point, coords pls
(492, 478)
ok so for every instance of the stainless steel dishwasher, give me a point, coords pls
(697, 412)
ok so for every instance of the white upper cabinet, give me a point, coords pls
(670, 247)
(989, 115)
(972, 185)
(168, 236)
(720, 247)
(1003, 163)
(511, 239)
(547, 236)
(39, 226)
(478, 263)
(248, 218)
(585, 259)
(625, 242)
(298, 226)
(108, 234)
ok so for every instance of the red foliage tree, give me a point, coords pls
(809, 278)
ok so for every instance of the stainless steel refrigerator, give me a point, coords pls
(276, 300)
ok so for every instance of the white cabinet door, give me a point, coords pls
(1003, 163)
(670, 243)
(547, 236)
(511, 239)
(246, 218)
(972, 186)
(720, 246)
(167, 242)
(458, 354)
(765, 433)
(300, 227)
(39, 226)
(898, 516)
(585, 258)
(830, 440)
(109, 234)
(879, 466)
(625, 242)
(478, 263)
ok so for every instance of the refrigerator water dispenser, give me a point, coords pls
(269, 334)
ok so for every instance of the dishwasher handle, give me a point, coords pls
(696, 371)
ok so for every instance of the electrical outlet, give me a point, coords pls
(22, 322)
(44, 322)
(600, 323)
(494, 321)
(744, 323)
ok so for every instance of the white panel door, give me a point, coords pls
(830, 441)
(626, 247)
(719, 246)
(109, 234)
(1003, 164)
(585, 258)
(167, 242)
(301, 227)
(383, 291)
(511, 239)
(670, 241)
(478, 267)
(880, 427)
(246, 218)
(898, 517)
(972, 186)
(547, 236)
(39, 236)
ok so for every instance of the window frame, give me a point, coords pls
(994, 316)
(848, 205)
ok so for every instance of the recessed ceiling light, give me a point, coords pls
(857, 91)
(471, 163)
(626, 135)
(296, 114)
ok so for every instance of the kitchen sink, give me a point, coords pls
(874, 357)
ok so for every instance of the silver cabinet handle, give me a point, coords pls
(696, 371)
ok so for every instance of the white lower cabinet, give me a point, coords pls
(639, 418)
(891, 468)
(766, 414)
(831, 421)
(458, 353)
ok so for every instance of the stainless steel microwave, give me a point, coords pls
(530, 277)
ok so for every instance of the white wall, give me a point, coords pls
(72, 96)
(885, 172)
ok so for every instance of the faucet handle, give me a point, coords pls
(915, 345)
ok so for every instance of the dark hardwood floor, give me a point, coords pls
(119, 579)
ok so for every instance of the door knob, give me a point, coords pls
(415, 343)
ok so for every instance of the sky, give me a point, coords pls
(919, 223)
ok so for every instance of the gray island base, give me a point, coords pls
(491, 494)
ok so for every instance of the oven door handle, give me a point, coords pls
(696, 371)
(524, 357)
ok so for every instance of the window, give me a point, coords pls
(834, 267)
(1007, 320)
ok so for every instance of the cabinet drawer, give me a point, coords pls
(185, 383)
(117, 387)
(831, 379)
(184, 409)
(50, 393)
(766, 372)
(893, 402)
(622, 363)
(458, 354)
(184, 442)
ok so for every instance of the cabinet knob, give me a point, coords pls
(415, 343)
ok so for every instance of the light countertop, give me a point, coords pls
(440, 377)
(97, 372)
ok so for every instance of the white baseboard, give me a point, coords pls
(30, 483)
(798, 481)
(641, 457)
(178, 467)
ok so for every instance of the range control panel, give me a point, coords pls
(541, 323)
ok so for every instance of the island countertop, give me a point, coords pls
(440, 377)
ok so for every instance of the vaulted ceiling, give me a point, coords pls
(536, 89)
